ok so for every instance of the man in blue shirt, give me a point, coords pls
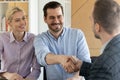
(56, 47)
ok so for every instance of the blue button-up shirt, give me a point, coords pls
(70, 42)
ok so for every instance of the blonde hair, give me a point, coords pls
(12, 11)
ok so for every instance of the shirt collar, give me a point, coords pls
(103, 47)
(25, 37)
(60, 35)
(12, 38)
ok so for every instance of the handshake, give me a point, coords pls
(70, 63)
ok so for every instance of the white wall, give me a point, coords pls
(33, 16)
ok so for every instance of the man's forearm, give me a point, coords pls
(52, 59)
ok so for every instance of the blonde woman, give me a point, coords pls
(16, 49)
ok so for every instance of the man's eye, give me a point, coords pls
(23, 18)
(51, 17)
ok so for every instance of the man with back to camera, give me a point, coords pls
(106, 27)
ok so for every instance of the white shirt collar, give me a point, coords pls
(103, 47)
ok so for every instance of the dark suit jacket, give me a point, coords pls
(107, 65)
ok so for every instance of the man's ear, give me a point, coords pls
(97, 27)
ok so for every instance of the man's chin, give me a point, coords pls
(56, 31)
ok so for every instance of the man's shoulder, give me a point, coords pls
(110, 56)
(113, 45)
(42, 34)
(73, 30)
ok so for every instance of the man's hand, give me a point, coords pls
(69, 66)
(69, 63)
(78, 64)
(72, 64)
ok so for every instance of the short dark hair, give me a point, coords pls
(107, 14)
(52, 5)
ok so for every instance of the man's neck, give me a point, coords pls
(56, 34)
(106, 37)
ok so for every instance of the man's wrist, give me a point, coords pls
(78, 65)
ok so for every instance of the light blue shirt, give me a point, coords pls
(70, 42)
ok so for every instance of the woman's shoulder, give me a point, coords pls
(30, 34)
(4, 34)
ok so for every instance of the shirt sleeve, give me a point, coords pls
(35, 72)
(101, 69)
(83, 49)
(84, 71)
(41, 50)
